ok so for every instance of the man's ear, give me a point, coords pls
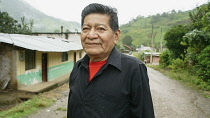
(117, 36)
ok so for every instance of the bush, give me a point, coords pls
(204, 64)
(165, 59)
(140, 56)
(177, 65)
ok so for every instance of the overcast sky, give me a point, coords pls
(70, 10)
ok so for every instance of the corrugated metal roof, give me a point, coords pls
(40, 43)
(154, 53)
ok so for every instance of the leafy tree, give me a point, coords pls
(127, 40)
(193, 42)
(9, 25)
(26, 28)
(155, 18)
(200, 18)
(199, 37)
(196, 41)
(173, 38)
(164, 14)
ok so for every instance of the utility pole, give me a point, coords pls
(152, 46)
(161, 45)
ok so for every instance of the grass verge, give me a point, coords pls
(188, 79)
(61, 109)
(27, 107)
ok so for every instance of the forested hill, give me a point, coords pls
(140, 28)
(42, 23)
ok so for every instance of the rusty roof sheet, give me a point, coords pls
(40, 43)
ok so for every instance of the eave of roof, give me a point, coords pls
(39, 43)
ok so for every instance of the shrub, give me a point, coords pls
(204, 64)
(165, 59)
(177, 65)
(140, 56)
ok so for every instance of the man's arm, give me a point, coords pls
(141, 100)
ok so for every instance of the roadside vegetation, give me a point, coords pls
(187, 57)
(186, 78)
(27, 107)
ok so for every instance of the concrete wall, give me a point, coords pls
(155, 59)
(7, 66)
(32, 76)
(56, 68)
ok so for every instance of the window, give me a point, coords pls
(64, 56)
(30, 59)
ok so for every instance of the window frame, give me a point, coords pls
(64, 56)
(30, 59)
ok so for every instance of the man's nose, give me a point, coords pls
(92, 34)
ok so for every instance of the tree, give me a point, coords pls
(173, 38)
(56, 31)
(155, 18)
(127, 40)
(199, 37)
(26, 28)
(9, 25)
(200, 17)
(67, 31)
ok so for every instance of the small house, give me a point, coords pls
(152, 58)
(27, 60)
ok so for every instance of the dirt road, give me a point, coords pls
(171, 100)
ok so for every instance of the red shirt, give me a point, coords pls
(94, 68)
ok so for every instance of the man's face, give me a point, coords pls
(97, 37)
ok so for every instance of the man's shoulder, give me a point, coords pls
(130, 59)
(78, 63)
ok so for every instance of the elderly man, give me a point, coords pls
(106, 83)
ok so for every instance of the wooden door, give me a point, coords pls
(75, 57)
(44, 67)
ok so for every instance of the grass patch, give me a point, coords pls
(61, 109)
(27, 107)
(188, 79)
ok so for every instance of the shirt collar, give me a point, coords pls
(114, 59)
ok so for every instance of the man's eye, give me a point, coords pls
(101, 28)
(85, 28)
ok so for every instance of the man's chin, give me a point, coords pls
(93, 52)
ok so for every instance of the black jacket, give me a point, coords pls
(120, 89)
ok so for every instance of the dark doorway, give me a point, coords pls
(44, 67)
(75, 57)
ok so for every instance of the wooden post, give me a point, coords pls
(152, 46)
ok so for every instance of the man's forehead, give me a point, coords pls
(97, 20)
(95, 24)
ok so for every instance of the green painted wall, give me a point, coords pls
(60, 70)
(53, 73)
(30, 77)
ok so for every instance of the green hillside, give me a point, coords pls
(42, 22)
(140, 28)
